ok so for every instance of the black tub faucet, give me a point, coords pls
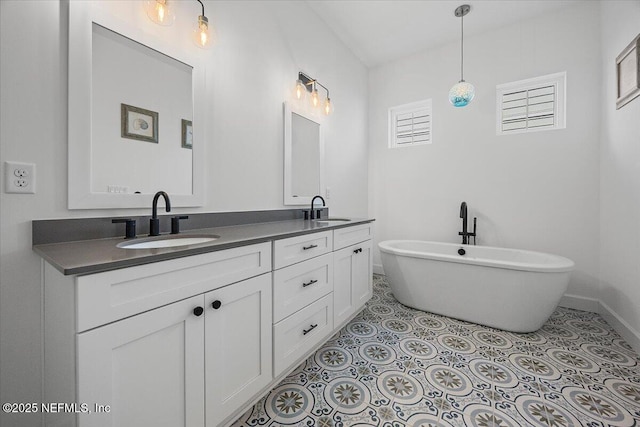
(313, 215)
(154, 222)
(464, 233)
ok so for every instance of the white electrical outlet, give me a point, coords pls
(19, 177)
(327, 193)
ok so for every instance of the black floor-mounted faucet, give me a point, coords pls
(464, 233)
(313, 216)
(154, 222)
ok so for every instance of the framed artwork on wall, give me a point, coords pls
(138, 123)
(628, 73)
(187, 134)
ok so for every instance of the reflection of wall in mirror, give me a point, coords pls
(127, 72)
(305, 156)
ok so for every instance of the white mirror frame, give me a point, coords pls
(82, 14)
(289, 199)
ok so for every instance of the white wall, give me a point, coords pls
(620, 173)
(252, 67)
(536, 191)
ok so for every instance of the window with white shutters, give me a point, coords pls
(410, 124)
(531, 105)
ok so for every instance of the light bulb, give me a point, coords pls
(160, 12)
(315, 99)
(301, 89)
(202, 35)
(461, 94)
(328, 106)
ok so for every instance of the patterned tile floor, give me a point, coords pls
(395, 366)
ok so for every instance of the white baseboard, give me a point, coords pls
(377, 269)
(630, 335)
(580, 303)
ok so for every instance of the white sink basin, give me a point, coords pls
(332, 220)
(167, 242)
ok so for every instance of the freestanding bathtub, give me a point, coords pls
(508, 289)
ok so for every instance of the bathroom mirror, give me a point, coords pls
(303, 157)
(135, 115)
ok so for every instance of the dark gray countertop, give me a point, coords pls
(93, 256)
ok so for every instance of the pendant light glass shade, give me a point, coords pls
(461, 94)
(315, 98)
(301, 89)
(202, 35)
(160, 12)
(328, 106)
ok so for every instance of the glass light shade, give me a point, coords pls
(461, 94)
(301, 89)
(315, 98)
(328, 106)
(160, 12)
(202, 35)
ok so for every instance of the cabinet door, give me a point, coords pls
(352, 280)
(237, 345)
(343, 303)
(362, 274)
(147, 368)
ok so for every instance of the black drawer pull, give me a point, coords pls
(306, 331)
(309, 283)
(216, 304)
(198, 311)
(304, 248)
(357, 250)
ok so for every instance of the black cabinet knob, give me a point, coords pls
(216, 304)
(461, 251)
(198, 311)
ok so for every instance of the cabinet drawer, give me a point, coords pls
(294, 336)
(300, 248)
(343, 237)
(298, 285)
(105, 297)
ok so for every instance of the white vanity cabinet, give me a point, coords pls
(182, 342)
(194, 341)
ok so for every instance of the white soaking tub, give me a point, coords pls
(508, 289)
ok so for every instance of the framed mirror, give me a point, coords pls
(136, 106)
(303, 157)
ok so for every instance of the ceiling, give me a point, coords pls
(379, 31)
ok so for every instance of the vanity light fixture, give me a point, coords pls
(306, 84)
(462, 93)
(160, 12)
(202, 34)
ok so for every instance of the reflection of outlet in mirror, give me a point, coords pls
(19, 177)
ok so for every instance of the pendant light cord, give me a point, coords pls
(462, 48)
(201, 4)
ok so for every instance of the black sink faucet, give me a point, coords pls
(464, 233)
(313, 216)
(154, 222)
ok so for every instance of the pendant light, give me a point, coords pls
(160, 12)
(315, 97)
(202, 34)
(462, 93)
